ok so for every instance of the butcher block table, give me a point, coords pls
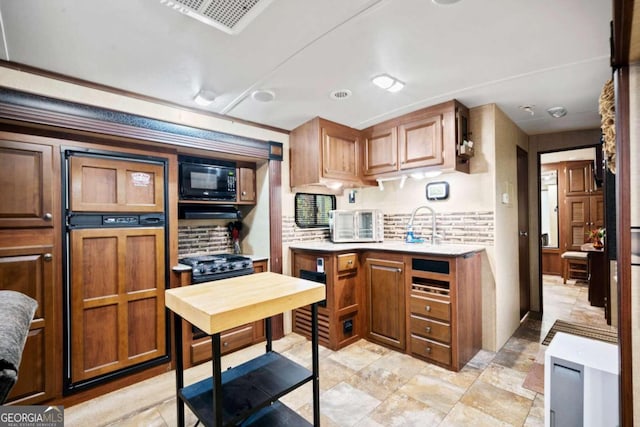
(246, 394)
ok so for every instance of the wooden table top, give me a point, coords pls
(223, 304)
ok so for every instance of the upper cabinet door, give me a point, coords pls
(114, 185)
(579, 178)
(26, 173)
(421, 142)
(247, 185)
(340, 148)
(381, 151)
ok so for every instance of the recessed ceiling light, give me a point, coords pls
(263, 95)
(204, 97)
(557, 112)
(445, 2)
(340, 94)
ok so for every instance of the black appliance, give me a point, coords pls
(206, 179)
(206, 268)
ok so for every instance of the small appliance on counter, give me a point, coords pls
(364, 225)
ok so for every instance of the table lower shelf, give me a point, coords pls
(248, 388)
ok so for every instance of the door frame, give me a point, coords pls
(524, 271)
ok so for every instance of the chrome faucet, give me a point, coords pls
(410, 237)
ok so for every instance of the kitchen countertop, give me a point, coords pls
(395, 246)
(224, 304)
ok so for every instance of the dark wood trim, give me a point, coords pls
(275, 232)
(621, 32)
(41, 110)
(80, 82)
(623, 148)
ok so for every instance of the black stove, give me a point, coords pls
(206, 268)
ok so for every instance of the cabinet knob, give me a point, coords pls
(225, 344)
(429, 350)
(244, 193)
(47, 257)
(427, 308)
(350, 261)
(47, 216)
(398, 270)
(428, 328)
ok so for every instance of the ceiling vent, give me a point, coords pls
(230, 16)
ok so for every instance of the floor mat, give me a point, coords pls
(581, 330)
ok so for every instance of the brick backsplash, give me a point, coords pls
(203, 239)
(454, 227)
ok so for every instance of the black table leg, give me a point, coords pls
(267, 330)
(217, 379)
(316, 364)
(177, 325)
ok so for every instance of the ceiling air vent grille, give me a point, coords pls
(230, 16)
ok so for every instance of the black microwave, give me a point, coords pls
(206, 179)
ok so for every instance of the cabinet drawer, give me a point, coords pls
(431, 329)
(429, 307)
(230, 340)
(437, 352)
(347, 262)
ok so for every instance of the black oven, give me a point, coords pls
(206, 179)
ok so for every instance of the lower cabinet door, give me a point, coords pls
(117, 315)
(29, 270)
(385, 308)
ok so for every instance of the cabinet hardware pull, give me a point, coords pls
(47, 257)
(427, 308)
(350, 261)
(428, 349)
(225, 344)
(48, 216)
(398, 270)
(244, 193)
(428, 329)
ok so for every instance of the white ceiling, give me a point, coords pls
(509, 52)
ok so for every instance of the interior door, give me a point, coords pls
(117, 299)
(523, 231)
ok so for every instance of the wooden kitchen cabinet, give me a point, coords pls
(26, 172)
(30, 270)
(580, 179)
(425, 139)
(385, 299)
(445, 308)
(246, 185)
(339, 317)
(100, 184)
(260, 266)
(324, 152)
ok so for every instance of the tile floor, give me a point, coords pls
(368, 385)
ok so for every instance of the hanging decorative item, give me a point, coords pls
(607, 119)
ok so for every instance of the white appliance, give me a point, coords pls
(364, 225)
(580, 382)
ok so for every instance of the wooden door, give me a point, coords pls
(385, 309)
(340, 149)
(117, 299)
(26, 173)
(579, 179)
(381, 151)
(30, 270)
(523, 231)
(105, 184)
(578, 211)
(421, 142)
(247, 185)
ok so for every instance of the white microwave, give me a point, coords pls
(365, 225)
